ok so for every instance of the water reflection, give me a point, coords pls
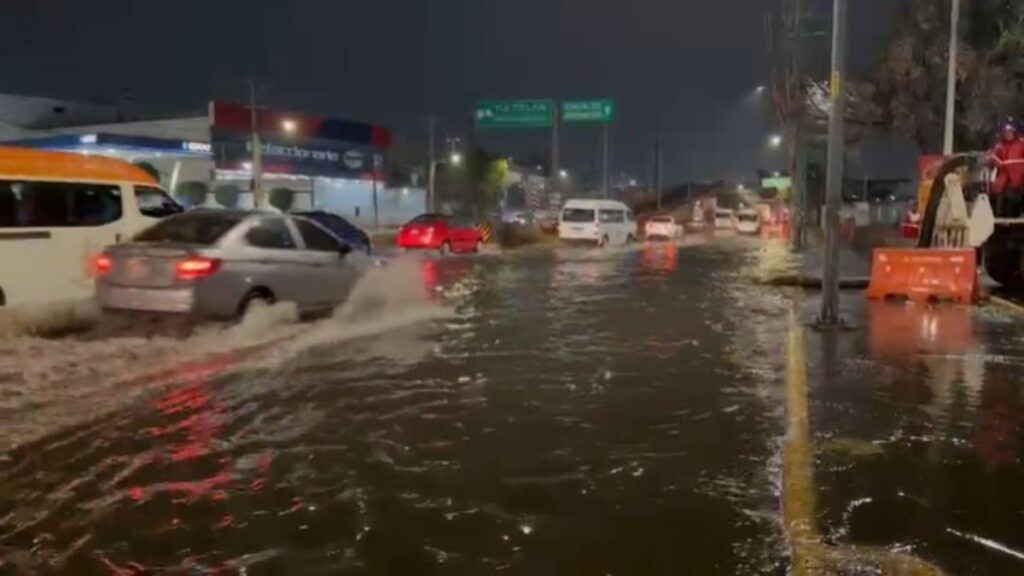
(660, 257)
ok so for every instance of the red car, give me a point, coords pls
(439, 232)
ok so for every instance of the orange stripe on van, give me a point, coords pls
(24, 163)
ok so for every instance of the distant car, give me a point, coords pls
(519, 217)
(343, 229)
(662, 228)
(216, 264)
(748, 221)
(439, 232)
(724, 219)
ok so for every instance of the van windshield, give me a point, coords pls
(747, 217)
(198, 228)
(577, 215)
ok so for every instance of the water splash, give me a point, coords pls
(52, 383)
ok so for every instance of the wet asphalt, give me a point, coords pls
(547, 411)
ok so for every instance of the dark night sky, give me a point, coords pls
(688, 66)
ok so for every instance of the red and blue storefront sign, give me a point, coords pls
(296, 144)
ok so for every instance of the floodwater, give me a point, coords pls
(539, 412)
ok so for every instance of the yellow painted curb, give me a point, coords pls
(810, 557)
(1003, 302)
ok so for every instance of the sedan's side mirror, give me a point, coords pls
(344, 249)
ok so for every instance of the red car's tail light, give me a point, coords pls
(102, 265)
(195, 268)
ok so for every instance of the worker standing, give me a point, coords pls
(1008, 159)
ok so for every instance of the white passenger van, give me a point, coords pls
(57, 213)
(748, 221)
(598, 222)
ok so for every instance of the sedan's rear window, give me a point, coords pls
(747, 217)
(577, 215)
(200, 228)
(662, 220)
(427, 219)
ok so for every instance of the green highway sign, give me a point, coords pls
(514, 113)
(778, 182)
(597, 111)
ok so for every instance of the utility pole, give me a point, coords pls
(432, 170)
(604, 163)
(657, 168)
(954, 40)
(377, 162)
(257, 150)
(555, 166)
(834, 181)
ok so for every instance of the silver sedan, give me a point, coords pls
(217, 263)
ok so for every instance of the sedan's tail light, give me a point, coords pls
(102, 265)
(195, 268)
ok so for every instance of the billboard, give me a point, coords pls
(296, 144)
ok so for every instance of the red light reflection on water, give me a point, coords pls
(661, 258)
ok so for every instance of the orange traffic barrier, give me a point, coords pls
(775, 231)
(924, 275)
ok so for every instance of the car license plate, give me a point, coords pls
(577, 228)
(136, 269)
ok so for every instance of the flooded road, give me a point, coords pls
(542, 412)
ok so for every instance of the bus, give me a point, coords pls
(57, 213)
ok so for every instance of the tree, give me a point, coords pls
(282, 198)
(192, 193)
(908, 89)
(485, 176)
(227, 195)
(149, 169)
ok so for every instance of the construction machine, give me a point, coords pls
(959, 230)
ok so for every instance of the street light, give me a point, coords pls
(760, 89)
(456, 158)
(288, 125)
(563, 174)
(775, 140)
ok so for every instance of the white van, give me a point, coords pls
(748, 221)
(599, 222)
(57, 213)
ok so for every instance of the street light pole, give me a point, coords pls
(834, 181)
(604, 163)
(954, 40)
(257, 149)
(555, 166)
(657, 168)
(432, 170)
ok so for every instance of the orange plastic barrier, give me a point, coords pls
(924, 275)
(775, 231)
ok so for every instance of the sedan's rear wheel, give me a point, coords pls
(255, 299)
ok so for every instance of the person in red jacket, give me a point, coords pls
(1008, 158)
